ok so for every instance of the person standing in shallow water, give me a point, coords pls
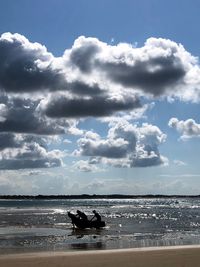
(97, 216)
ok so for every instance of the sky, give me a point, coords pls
(99, 97)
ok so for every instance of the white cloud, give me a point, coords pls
(94, 72)
(22, 152)
(96, 186)
(41, 94)
(21, 115)
(86, 166)
(19, 182)
(185, 175)
(160, 68)
(126, 145)
(3, 112)
(188, 128)
(179, 162)
(26, 66)
(67, 141)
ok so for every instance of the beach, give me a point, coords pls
(139, 232)
(176, 256)
(30, 226)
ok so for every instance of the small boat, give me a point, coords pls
(82, 224)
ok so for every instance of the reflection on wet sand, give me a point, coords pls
(90, 239)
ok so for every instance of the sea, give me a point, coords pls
(32, 225)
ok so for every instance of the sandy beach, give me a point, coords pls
(182, 256)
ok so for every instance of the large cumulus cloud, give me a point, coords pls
(25, 151)
(20, 115)
(9, 140)
(63, 107)
(26, 66)
(158, 68)
(125, 146)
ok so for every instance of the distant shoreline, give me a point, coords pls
(87, 196)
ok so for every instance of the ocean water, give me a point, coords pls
(43, 225)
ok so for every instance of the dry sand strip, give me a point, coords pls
(182, 256)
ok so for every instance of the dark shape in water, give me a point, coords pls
(82, 224)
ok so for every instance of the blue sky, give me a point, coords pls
(115, 111)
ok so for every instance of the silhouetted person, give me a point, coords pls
(97, 216)
(71, 217)
(82, 215)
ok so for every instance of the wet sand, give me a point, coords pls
(178, 256)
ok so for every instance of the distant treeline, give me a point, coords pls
(86, 196)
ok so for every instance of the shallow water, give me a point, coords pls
(35, 225)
